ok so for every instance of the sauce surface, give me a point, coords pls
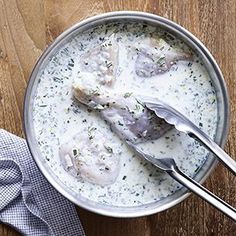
(186, 86)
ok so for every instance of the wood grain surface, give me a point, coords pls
(28, 26)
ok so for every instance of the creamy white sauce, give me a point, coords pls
(57, 116)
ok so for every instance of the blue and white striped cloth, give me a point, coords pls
(27, 201)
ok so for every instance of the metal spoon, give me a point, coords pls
(168, 165)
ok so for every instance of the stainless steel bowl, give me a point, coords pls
(213, 70)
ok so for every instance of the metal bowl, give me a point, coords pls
(213, 70)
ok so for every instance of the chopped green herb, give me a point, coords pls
(108, 148)
(140, 103)
(71, 64)
(161, 61)
(94, 91)
(59, 80)
(90, 129)
(109, 65)
(76, 152)
(126, 95)
(119, 123)
(137, 107)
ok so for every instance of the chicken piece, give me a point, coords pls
(91, 156)
(124, 113)
(102, 61)
(156, 57)
(132, 121)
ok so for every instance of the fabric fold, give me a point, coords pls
(27, 201)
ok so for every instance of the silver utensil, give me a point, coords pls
(183, 124)
(169, 166)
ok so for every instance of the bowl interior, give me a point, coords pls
(212, 68)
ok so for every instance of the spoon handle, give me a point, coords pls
(214, 148)
(202, 192)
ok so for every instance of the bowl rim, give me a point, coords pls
(109, 211)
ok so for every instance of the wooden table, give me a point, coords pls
(28, 26)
